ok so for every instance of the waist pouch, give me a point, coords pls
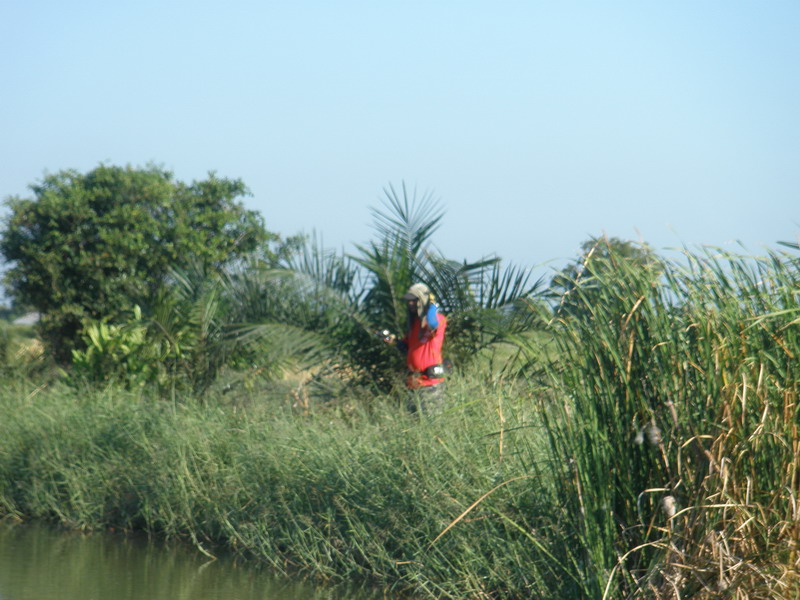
(434, 372)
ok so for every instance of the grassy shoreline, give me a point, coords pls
(652, 451)
(361, 494)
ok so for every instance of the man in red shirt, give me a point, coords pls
(423, 347)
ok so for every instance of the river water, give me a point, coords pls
(40, 563)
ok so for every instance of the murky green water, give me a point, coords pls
(39, 563)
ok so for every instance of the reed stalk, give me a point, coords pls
(675, 427)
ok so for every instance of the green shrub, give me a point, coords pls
(121, 353)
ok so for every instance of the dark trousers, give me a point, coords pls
(428, 399)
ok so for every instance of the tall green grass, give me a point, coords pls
(353, 492)
(674, 431)
(651, 452)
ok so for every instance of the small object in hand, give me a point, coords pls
(385, 335)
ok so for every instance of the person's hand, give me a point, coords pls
(386, 336)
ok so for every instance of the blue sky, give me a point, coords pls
(536, 124)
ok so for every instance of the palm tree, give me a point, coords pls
(209, 320)
(480, 298)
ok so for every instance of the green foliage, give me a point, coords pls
(674, 429)
(578, 286)
(348, 298)
(486, 303)
(196, 329)
(121, 353)
(294, 310)
(364, 493)
(395, 260)
(652, 454)
(21, 353)
(130, 238)
(90, 246)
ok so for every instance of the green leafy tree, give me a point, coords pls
(91, 246)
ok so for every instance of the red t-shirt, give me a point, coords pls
(424, 351)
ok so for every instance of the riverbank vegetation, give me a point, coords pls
(628, 431)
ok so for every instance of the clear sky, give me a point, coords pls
(536, 124)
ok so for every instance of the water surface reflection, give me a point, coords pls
(40, 563)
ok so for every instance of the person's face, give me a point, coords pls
(412, 306)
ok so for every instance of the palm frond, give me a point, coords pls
(280, 344)
(408, 218)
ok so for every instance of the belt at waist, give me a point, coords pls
(432, 372)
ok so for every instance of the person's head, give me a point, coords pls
(417, 298)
